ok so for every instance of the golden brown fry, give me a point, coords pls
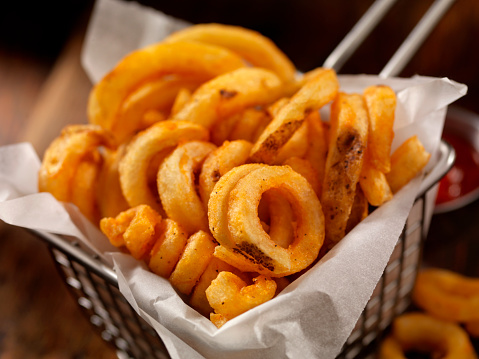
(276, 106)
(183, 96)
(348, 140)
(251, 122)
(84, 188)
(381, 104)
(155, 96)
(218, 162)
(229, 295)
(177, 185)
(359, 210)
(198, 298)
(418, 331)
(62, 157)
(109, 196)
(373, 183)
(233, 213)
(158, 140)
(253, 242)
(136, 228)
(407, 161)
(315, 93)
(281, 218)
(218, 202)
(193, 261)
(317, 144)
(447, 295)
(220, 131)
(305, 169)
(168, 248)
(296, 146)
(230, 93)
(63, 172)
(255, 48)
(190, 59)
(151, 117)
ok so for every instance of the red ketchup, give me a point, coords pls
(463, 177)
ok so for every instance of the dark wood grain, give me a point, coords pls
(62, 99)
(38, 316)
(21, 79)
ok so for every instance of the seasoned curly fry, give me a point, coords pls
(251, 45)
(407, 161)
(229, 296)
(447, 295)
(84, 188)
(193, 261)
(348, 139)
(317, 144)
(373, 183)
(156, 96)
(234, 221)
(419, 331)
(159, 139)
(281, 218)
(192, 60)
(71, 166)
(198, 299)
(177, 185)
(381, 104)
(229, 94)
(224, 158)
(168, 248)
(136, 228)
(315, 93)
(305, 169)
(109, 195)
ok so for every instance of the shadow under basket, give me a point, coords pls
(95, 286)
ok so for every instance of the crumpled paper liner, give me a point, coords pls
(315, 314)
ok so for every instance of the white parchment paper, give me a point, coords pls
(314, 315)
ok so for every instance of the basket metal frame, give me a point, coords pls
(94, 285)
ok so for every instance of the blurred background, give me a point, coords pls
(42, 88)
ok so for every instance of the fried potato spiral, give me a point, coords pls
(176, 185)
(230, 93)
(188, 59)
(250, 45)
(229, 155)
(317, 92)
(347, 142)
(229, 295)
(447, 295)
(423, 333)
(71, 166)
(234, 221)
(158, 140)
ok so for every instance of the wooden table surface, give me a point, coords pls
(38, 316)
(38, 96)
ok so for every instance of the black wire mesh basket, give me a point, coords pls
(94, 285)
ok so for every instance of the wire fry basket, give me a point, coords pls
(94, 285)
